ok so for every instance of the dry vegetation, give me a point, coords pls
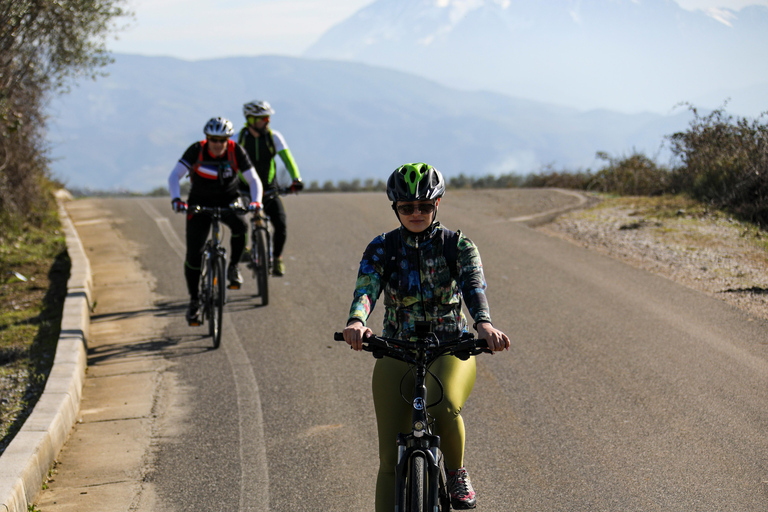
(34, 268)
(680, 239)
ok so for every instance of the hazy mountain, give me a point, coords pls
(625, 55)
(342, 121)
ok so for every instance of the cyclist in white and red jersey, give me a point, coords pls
(213, 165)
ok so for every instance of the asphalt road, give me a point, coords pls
(622, 390)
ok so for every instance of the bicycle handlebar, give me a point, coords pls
(462, 347)
(271, 192)
(196, 208)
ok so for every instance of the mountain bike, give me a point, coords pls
(213, 289)
(420, 477)
(260, 258)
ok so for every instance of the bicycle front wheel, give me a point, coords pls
(260, 245)
(218, 297)
(417, 483)
(205, 291)
(253, 259)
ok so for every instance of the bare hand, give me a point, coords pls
(496, 339)
(354, 333)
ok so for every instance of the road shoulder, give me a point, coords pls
(104, 461)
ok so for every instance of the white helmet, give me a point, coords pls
(219, 127)
(257, 109)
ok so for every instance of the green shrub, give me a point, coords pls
(725, 163)
(634, 175)
(551, 178)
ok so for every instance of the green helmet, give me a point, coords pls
(415, 182)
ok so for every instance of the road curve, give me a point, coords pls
(622, 390)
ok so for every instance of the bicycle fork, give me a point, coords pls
(420, 442)
(432, 457)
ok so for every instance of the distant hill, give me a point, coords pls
(624, 55)
(342, 120)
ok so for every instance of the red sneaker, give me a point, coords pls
(462, 494)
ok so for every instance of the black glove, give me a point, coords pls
(296, 186)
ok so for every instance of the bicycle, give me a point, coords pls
(260, 258)
(420, 476)
(213, 290)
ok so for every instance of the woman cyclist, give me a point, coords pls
(421, 286)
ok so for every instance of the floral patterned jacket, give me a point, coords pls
(421, 286)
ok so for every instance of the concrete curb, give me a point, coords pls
(26, 461)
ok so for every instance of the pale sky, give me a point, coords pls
(193, 29)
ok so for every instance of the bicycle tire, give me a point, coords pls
(210, 285)
(205, 290)
(260, 243)
(253, 257)
(417, 483)
(218, 297)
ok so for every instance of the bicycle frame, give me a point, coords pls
(421, 442)
(212, 278)
(213, 250)
(260, 222)
(261, 257)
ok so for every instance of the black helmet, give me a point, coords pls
(415, 182)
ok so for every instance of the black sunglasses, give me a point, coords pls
(217, 139)
(409, 209)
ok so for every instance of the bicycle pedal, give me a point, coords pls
(234, 286)
(194, 324)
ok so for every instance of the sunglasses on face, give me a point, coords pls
(253, 120)
(217, 140)
(409, 209)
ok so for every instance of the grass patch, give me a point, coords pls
(680, 220)
(34, 269)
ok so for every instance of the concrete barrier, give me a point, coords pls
(26, 461)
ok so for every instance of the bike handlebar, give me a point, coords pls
(271, 192)
(196, 208)
(462, 347)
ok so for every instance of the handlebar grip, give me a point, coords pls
(338, 336)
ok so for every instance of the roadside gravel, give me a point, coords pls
(679, 239)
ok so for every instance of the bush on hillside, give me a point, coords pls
(44, 44)
(23, 167)
(634, 175)
(552, 178)
(725, 163)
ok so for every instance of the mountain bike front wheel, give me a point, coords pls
(218, 297)
(205, 290)
(262, 269)
(417, 483)
(254, 263)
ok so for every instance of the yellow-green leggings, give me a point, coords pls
(393, 414)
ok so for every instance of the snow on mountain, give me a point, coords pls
(627, 55)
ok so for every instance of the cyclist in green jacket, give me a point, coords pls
(262, 144)
(421, 286)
